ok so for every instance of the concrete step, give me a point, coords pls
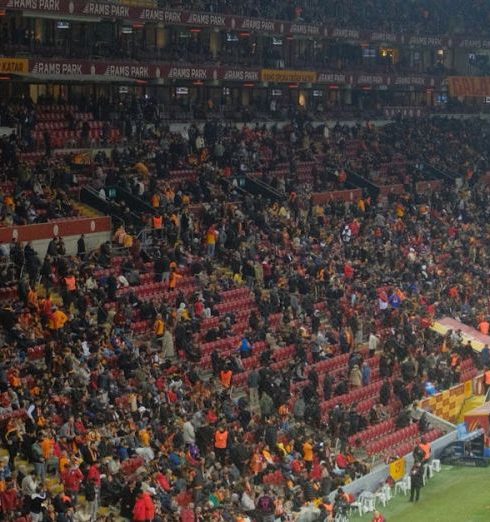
(85, 210)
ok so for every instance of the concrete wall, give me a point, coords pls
(92, 241)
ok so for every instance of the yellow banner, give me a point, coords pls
(469, 86)
(14, 66)
(397, 469)
(280, 76)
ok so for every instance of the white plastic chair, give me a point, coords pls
(435, 466)
(357, 504)
(384, 494)
(368, 501)
(403, 485)
(365, 503)
(387, 489)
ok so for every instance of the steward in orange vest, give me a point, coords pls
(426, 449)
(221, 443)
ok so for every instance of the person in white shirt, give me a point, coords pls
(29, 484)
(247, 502)
(189, 433)
(373, 342)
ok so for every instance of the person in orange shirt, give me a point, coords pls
(308, 454)
(256, 462)
(173, 278)
(155, 200)
(145, 438)
(159, 326)
(48, 448)
(57, 320)
(32, 301)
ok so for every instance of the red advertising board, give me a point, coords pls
(68, 227)
(180, 71)
(139, 70)
(320, 198)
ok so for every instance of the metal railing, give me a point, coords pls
(108, 207)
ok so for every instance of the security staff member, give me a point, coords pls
(422, 451)
(221, 444)
(426, 448)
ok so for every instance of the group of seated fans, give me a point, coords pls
(253, 356)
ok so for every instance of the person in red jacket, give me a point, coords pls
(144, 508)
(188, 514)
(94, 474)
(72, 479)
(10, 499)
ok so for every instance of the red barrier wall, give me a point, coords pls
(336, 195)
(62, 227)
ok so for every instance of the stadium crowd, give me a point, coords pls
(418, 16)
(219, 412)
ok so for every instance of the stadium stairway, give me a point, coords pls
(85, 211)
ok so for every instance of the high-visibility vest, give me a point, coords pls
(487, 377)
(221, 439)
(484, 327)
(71, 283)
(225, 378)
(157, 221)
(426, 449)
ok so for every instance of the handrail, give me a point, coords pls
(133, 202)
(108, 207)
(257, 186)
(438, 172)
(362, 183)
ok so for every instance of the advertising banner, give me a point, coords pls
(287, 76)
(14, 65)
(469, 86)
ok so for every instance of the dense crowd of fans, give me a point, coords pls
(200, 416)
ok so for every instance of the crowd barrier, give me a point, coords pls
(336, 195)
(97, 230)
(57, 227)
